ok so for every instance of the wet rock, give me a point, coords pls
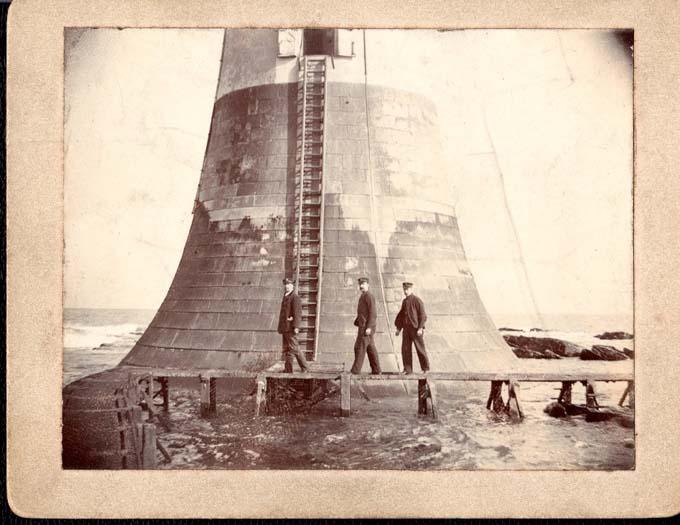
(428, 445)
(529, 354)
(575, 410)
(334, 438)
(555, 409)
(595, 416)
(629, 443)
(614, 335)
(537, 347)
(602, 353)
(502, 451)
(629, 353)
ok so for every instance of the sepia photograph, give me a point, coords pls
(348, 249)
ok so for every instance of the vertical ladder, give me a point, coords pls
(309, 198)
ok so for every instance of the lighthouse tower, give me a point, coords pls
(323, 163)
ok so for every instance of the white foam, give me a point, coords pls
(83, 336)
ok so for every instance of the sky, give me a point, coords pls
(536, 126)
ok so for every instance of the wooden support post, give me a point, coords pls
(164, 451)
(495, 400)
(345, 393)
(422, 397)
(149, 386)
(362, 391)
(261, 394)
(625, 394)
(431, 401)
(631, 394)
(136, 414)
(565, 393)
(149, 446)
(136, 431)
(269, 395)
(165, 392)
(132, 390)
(205, 396)
(591, 396)
(213, 396)
(513, 407)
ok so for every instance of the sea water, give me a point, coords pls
(382, 433)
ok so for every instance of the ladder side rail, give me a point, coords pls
(319, 281)
(300, 191)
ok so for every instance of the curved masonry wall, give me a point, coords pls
(386, 203)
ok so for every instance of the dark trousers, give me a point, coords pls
(365, 344)
(410, 336)
(292, 349)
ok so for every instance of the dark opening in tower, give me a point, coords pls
(319, 41)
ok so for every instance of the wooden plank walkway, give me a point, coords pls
(537, 371)
(566, 372)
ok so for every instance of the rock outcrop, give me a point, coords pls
(602, 353)
(614, 335)
(555, 409)
(542, 347)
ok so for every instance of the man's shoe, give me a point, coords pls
(407, 372)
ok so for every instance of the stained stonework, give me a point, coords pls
(388, 216)
(222, 308)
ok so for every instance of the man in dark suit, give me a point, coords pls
(411, 319)
(365, 323)
(290, 318)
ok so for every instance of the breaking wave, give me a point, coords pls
(87, 336)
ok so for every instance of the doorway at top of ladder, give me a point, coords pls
(317, 42)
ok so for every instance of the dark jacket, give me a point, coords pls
(366, 314)
(412, 313)
(290, 307)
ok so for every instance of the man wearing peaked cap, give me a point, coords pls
(411, 319)
(290, 318)
(365, 322)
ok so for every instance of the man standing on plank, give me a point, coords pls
(365, 322)
(290, 318)
(411, 319)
